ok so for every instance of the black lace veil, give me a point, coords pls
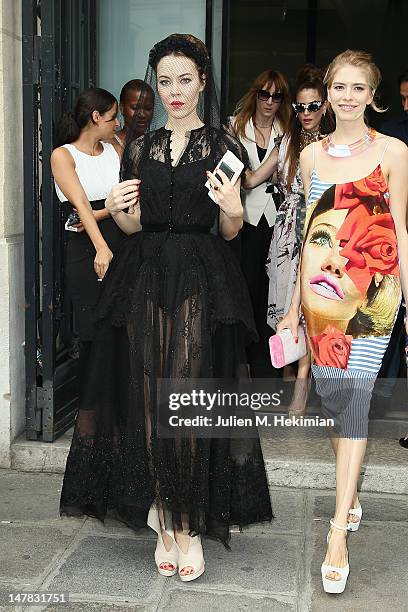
(208, 107)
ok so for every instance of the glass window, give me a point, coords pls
(127, 30)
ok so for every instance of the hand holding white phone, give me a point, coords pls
(232, 168)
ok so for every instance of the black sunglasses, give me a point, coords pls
(312, 107)
(264, 95)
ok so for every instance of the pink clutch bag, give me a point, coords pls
(284, 349)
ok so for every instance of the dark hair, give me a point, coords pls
(182, 44)
(73, 122)
(403, 78)
(134, 85)
(309, 77)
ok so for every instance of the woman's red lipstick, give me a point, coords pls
(176, 104)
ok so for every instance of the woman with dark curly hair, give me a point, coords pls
(309, 123)
(174, 306)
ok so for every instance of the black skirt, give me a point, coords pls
(81, 280)
(172, 306)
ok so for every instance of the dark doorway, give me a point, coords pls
(58, 61)
(284, 34)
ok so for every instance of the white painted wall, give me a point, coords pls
(12, 412)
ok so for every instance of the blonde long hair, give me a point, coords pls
(246, 107)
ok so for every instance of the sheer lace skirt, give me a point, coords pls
(117, 463)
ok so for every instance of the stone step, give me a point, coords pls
(297, 457)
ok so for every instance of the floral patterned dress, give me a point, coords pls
(350, 293)
(283, 256)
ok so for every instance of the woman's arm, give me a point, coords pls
(291, 318)
(253, 178)
(228, 199)
(396, 159)
(125, 195)
(63, 169)
(101, 214)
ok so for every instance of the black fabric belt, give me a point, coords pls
(176, 229)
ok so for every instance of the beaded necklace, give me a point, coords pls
(306, 137)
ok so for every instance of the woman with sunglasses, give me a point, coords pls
(261, 118)
(283, 257)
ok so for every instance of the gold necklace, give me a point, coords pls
(306, 137)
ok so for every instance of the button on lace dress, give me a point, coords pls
(174, 304)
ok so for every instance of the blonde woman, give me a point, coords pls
(354, 264)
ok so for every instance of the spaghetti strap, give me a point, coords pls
(384, 151)
(119, 141)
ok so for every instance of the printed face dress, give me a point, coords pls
(350, 292)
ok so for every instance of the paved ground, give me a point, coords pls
(273, 568)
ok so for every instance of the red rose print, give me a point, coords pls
(331, 348)
(370, 245)
(373, 187)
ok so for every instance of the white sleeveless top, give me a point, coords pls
(97, 173)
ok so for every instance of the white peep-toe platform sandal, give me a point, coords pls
(333, 585)
(166, 557)
(194, 558)
(354, 525)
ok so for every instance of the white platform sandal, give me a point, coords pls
(333, 585)
(354, 525)
(166, 557)
(194, 558)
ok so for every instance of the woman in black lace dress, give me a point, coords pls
(174, 305)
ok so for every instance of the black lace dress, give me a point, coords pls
(174, 304)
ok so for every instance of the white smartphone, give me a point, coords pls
(231, 166)
(70, 228)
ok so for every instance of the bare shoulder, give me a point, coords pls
(61, 155)
(306, 156)
(118, 147)
(395, 147)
